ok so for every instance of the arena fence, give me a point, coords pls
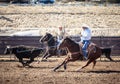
(112, 42)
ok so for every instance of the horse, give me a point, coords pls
(51, 49)
(75, 53)
(22, 52)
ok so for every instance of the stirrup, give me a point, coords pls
(85, 58)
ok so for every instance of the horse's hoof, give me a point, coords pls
(20, 66)
(24, 65)
(30, 66)
(43, 60)
(78, 70)
(54, 70)
(112, 60)
(38, 62)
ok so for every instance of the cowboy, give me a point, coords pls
(60, 36)
(85, 39)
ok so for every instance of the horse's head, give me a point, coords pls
(46, 38)
(65, 43)
(49, 39)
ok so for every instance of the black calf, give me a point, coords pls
(21, 53)
(107, 53)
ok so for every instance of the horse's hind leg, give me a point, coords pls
(94, 62)
(44, 56)
(63, 63)
(49, 55)
(89, 61)
(65, 67)
(58, 66)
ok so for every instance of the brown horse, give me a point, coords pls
(75, 53)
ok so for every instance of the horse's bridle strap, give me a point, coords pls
(50, 39)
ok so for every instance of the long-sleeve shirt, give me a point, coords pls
(86, 34)
(61, 34)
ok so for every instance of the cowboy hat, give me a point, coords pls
(85, 25)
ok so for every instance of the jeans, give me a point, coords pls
(58, 44)
(84, 48)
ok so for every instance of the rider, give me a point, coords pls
(85, 39)
(60, 36)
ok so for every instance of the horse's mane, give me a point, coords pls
(49, 34)
(70, 40)
(51, 42)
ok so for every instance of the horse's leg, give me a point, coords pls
(47, 56)
(58, 66)
(89, 61)
(94, 62)
(44, 56)
(65, 67)
(100, 57)
(58, 52)
(64, 62)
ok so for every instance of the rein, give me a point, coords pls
(50, 39)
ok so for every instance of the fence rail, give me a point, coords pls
(113, 42)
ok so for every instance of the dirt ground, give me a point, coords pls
(105, 72)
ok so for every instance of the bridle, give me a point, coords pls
(50, 39)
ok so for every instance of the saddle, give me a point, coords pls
(90, 47)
